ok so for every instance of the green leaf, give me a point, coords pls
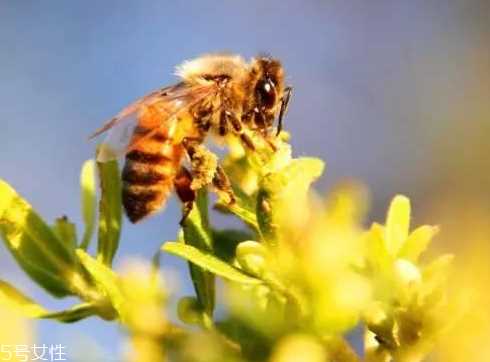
(58, 284)
(110, 211)
(106, 281)
(209, 262)
(89, 201)
(74, 314)
(15, 300)
(196, 226)
(66, 231)
(197, 233)
(417, 242)
(49, 261)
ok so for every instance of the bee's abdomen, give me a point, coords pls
(148, 177)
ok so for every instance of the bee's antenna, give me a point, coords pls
(284, 107)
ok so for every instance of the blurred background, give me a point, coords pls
(393, 94)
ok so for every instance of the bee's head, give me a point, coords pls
(270, 82)
(271, 96)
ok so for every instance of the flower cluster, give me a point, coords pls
(299, 276)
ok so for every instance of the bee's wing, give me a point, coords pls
(164, 104)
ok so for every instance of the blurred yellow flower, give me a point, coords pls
(144, 299)
(409, 311)
(299, 348)
(16, 336)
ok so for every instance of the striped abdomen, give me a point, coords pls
(148, 174)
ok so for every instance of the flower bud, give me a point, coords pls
(189, 310)
(251, 256)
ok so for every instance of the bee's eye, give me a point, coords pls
(266, 92)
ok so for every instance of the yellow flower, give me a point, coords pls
(146, 319)
(392, 251)
(409, 307)
(15, 335)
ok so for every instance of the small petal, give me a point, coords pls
(376, 253)
(417, 242)
(397, 224)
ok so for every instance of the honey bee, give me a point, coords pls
(218, 94)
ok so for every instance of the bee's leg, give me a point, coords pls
(206, 170)
(203, 163)
(186, 194)
(223, 123)
(222, 183)
(237, 127)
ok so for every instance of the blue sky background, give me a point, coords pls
(377, 86)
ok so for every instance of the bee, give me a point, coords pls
(219, 95)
